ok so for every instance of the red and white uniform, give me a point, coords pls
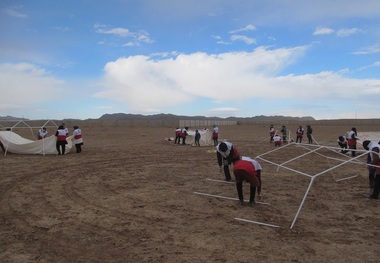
(61, 135)
(77, 136)
(277, 140)
(351, 138)
(215, 133)
(271, 132)
(183, 133)
(245, 170)
(42, 134)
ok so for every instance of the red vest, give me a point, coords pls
(245, 171)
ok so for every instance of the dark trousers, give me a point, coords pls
(252, 192)
(376, 187)
(177, 139)
(353, 147)
(227, 174)
(299, 139)
(61, 147)
(343, 146)
(78, 147)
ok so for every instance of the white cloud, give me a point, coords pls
(246, 28)
(137, 37)
(147, 85)
(344, 32)
(14, 11)
(245, 39)
(369, 50)
(323, 31)
(26, 84)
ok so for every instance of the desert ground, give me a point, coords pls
(133, 196)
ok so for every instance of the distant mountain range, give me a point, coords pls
(127, 116)
(124, 116)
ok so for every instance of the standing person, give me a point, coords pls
(197, 138)
(352, 137)
(177, 135)
(309, 132)
(78, 139)
(342, 141)
(271, 133)
(284, 133)
(226, 154)
(375, 160)
(61, 135)
(368, 145)
(42, 133)
(67, 130)
(248, 170)
(300, 131)
(184, 135)
(215, 134)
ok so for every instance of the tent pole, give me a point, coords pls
(303, 201)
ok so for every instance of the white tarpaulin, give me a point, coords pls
(206, 138)
(14, 143)
(370, 136)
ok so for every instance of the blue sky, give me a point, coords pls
(85, 58)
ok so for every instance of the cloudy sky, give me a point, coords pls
(85, 58)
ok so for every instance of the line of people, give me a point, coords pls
(61, 135)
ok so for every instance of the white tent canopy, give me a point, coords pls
(14, 143)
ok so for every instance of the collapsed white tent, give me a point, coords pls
(370, 136)
(312, 148)
(14, 143)
(206, 138)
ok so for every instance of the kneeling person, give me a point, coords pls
(248, 170)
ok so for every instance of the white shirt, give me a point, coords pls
(254, 162)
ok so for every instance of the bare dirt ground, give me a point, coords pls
(130, 197)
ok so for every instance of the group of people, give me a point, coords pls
(349, 142)
(244, 169)
(61, 134)
(278, 140)
(182, 133)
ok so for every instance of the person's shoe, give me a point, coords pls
(241, 202)
(252, 204)
(373, 197)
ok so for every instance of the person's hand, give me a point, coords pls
(225, 162)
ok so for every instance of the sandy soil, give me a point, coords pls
(130, 197)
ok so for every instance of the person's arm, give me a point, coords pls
(220, 160)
